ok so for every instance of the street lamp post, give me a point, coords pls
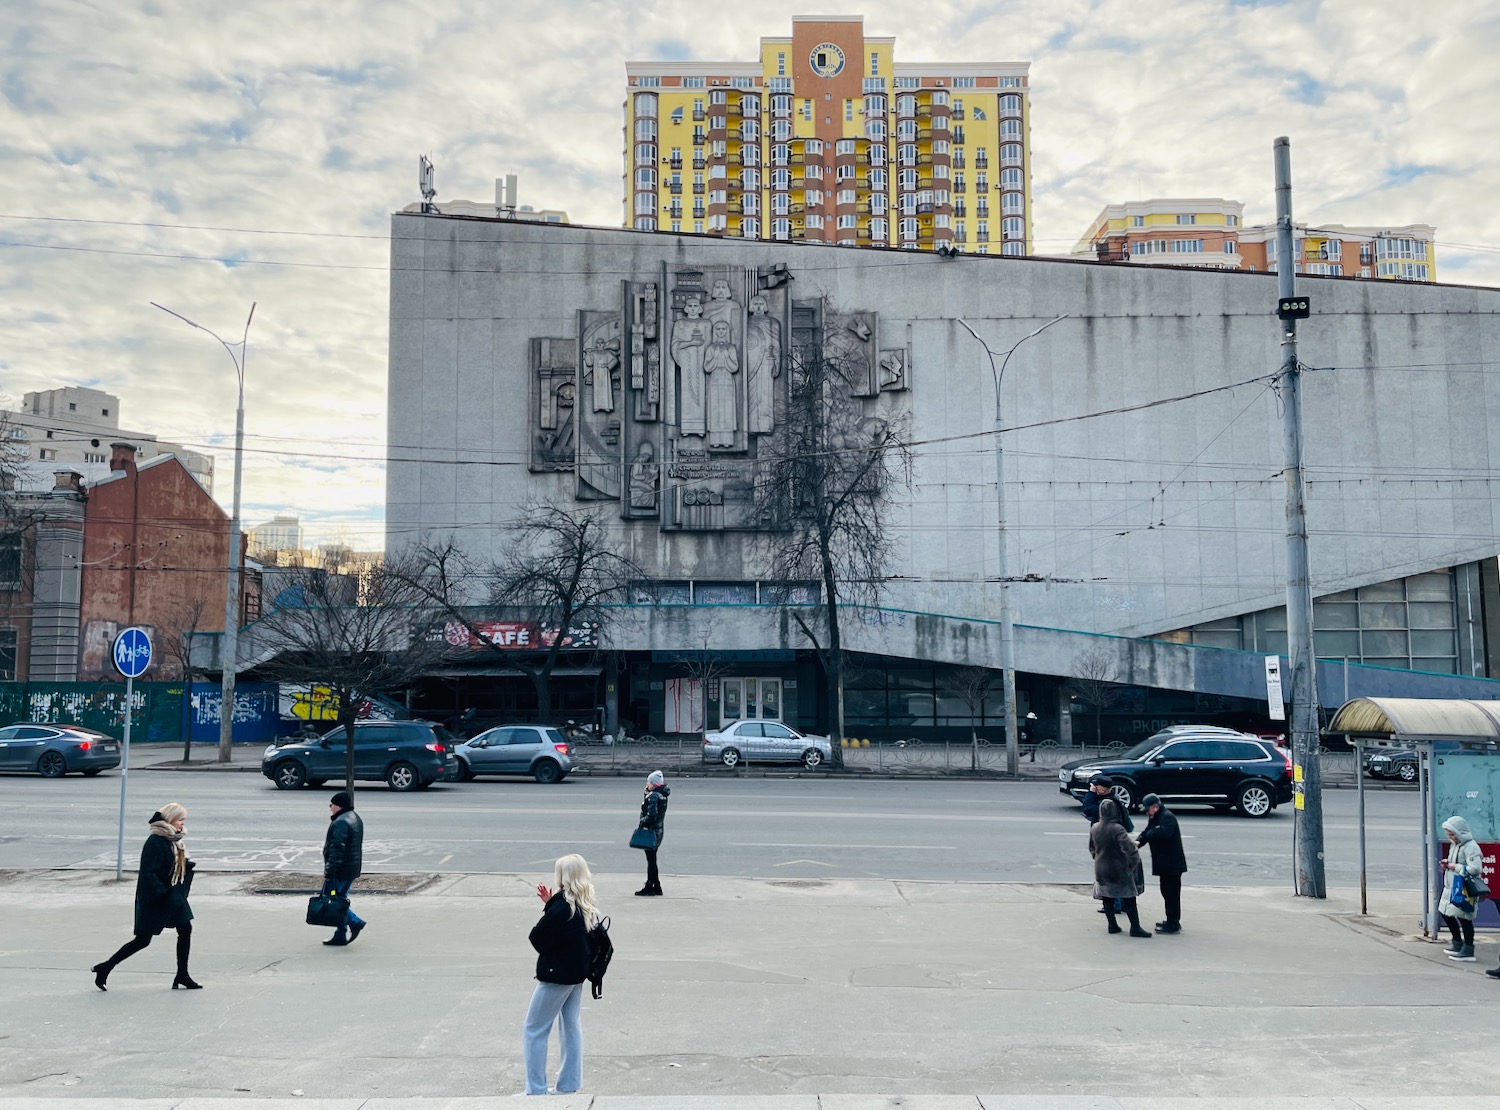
(230, 654)
(1007, 627)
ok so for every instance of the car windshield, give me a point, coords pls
(1146, 746)
(554, 737)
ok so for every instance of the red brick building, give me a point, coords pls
(155, 551)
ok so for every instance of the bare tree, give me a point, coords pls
(177, 646)
(354, 650)
(21, 511)
(824, 490)
(1096, 681)
(972, 686)
(560, 575)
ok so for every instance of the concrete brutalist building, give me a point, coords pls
(644, 374)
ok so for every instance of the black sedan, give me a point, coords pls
(54, 750)
(1220, 770)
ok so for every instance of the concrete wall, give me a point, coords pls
(1140, 522)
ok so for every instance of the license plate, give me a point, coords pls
(110, 748)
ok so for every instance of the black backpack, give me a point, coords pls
(601, 951)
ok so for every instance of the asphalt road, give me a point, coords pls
(800, 827)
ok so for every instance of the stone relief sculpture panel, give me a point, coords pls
(894, 367)
(554, 367)
(599, 463)
(663, 401)
(849, 341)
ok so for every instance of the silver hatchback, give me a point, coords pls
(536, 750)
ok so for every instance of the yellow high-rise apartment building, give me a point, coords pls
(827, 138)
(1210, 232)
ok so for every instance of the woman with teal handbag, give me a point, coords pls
(652, 828)
(1462, 888)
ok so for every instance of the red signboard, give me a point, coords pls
(518, 635)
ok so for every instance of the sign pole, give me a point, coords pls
(132, 658)
(124, 778)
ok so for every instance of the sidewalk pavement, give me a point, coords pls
(775, 1102)
(744, 994)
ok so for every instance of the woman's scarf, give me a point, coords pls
(179, 860)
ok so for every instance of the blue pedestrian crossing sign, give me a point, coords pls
(132, 652)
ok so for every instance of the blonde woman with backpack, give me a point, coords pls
(561, 940)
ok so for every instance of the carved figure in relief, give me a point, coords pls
(721, 362)
(762, 367)
(722, 306)
(643, 478)
(893, 370)
(601, 363)
(689, 343)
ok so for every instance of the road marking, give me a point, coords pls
(861, 847)
(794, 862)
(445, 859)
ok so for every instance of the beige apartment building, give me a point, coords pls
(826, 137)
(1210, 232)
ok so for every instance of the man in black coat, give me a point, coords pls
(343, 856)
(1168, 861)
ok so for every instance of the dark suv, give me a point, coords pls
(1217, 769)
(405, 755)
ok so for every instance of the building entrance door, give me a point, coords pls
(749, 699)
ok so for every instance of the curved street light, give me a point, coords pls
(231, 590)
(1007, 627)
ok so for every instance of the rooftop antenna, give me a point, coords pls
(505, 195)
(424, 182)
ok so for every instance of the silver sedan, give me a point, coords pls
(765, 742)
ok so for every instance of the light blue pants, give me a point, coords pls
(551, 1002)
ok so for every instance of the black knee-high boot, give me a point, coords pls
(184, 947)
(126, 950)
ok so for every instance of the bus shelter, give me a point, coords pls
(1456, 744)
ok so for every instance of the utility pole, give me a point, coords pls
(1007, 626)
(1308, 817)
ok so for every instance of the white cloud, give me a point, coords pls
(291, 116)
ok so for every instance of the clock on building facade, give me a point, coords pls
(826, 59)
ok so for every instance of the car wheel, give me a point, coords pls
(730, 757)
(402, 776)
(1120, 792)
(1407, 772)
(289, 775)
(1255, 800)
(812, 759)
(547, 772)
(464, 774)
(52, 765)
(91, 772)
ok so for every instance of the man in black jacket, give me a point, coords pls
(343, 855)
(1168, 861)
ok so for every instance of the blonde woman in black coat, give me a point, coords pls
(161, 896)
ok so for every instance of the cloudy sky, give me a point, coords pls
(208, 155)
